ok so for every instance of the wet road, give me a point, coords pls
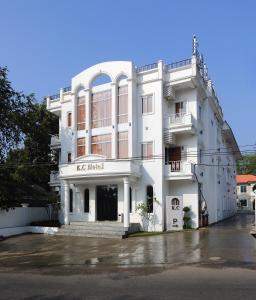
(184, 265)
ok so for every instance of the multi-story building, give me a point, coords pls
(246, 192)
(148, 133)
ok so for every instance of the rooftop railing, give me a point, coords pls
(147, 67)
(67, 89)
(179, 64)
(55, 97)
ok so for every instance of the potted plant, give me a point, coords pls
(186, 218)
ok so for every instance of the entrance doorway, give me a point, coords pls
(106, 196)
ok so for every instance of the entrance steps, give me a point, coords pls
(94, 229)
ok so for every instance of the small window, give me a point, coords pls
(243, 188)
(150, 195)
(86, 200)
(69, 119)
(71, 200)
(243, 202)
(69, 157)
(147, 104)
(147, 150)
(130, 198)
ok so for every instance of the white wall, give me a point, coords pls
(22, 216)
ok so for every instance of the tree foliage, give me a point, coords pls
(247, 165)
(25, 156)
(13, 106)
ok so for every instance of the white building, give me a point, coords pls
(246, 192)
(150, 132)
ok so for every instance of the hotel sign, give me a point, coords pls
(90, 167)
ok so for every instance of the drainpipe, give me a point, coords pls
(201, 193)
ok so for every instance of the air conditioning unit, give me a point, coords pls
(169, 93)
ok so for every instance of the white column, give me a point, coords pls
(114, 120)
(88, 121)
(66, 202)
(131, 119)
(126, 203)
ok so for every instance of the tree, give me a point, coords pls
(34, 161)
(13, 106)
(25, 156)
(247, 165)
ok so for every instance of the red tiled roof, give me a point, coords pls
(245, 178)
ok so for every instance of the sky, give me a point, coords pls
(44, 43)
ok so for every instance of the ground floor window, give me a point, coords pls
(130, 198)
(71, 200)
(150, 198)
(243, 202)
(86, 200)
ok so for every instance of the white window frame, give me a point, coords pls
(153, 150)
(185, 106)
(153, 104)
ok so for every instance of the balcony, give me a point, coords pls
(55, 142)
(181, 123)
(177, 170)
(54, 178)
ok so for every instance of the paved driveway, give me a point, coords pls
(225, 244)
(213, 264)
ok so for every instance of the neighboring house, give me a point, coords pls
(246, 192)
(150, 132)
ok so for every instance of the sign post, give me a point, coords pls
(174, 213)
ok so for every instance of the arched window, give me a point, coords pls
(101, 109)
(101, 103)
(175, 204)
(100, 79)
(175, 201)
(86, 200)
(70, 200)
(150, 194)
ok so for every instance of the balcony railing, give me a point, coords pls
(67, 89)
(179, 168)
(179, 64)
(180, 119)
(147, 67)
(55, 141)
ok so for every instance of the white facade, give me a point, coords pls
(185, 117)
(246, 193)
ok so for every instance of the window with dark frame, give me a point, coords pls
(71, 200)
(86, 200)
(243, 202)
(150, 195)
(130, 198)
(243, 188)
(69, 157)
